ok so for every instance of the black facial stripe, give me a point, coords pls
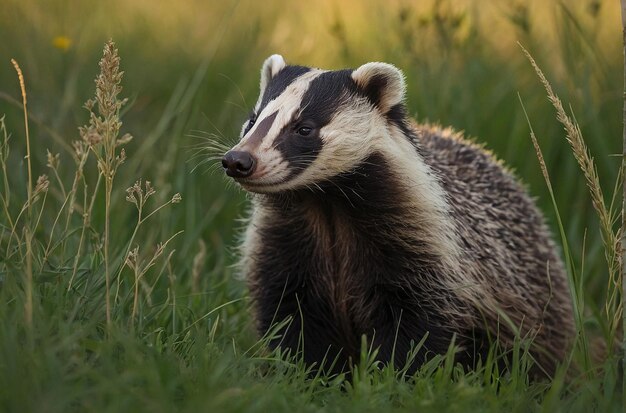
(279, 83)
(261, 130)
(299, 151)
(324, 96)
(326, 93)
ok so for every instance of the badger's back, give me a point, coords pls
(507, 246)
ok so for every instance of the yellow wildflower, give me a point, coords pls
(62, 43)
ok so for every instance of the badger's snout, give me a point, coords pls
(238, 164)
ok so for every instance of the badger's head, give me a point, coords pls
(310, 125)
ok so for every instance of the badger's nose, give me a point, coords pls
(238, 164)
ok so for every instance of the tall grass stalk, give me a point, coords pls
(28, 233)
(575, 287)
(102, 137)
(607, 215)
(20, 76)
(107, 236)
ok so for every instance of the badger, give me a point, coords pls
(366, 225)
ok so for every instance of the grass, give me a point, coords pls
(125, 247)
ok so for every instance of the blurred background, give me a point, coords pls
(192, 68)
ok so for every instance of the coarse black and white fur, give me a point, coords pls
(366, 224)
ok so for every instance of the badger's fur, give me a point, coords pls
(366, 224)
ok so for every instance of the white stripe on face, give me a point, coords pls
(284, 107)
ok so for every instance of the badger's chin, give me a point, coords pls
(274, 184)
(266, 185)
(258, 187)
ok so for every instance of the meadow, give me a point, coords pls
(118, 290)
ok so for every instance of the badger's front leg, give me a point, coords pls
(303, 323)
(405, 327)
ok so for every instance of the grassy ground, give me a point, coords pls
(176, 333)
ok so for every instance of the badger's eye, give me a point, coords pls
(304, 131)
(250, 124)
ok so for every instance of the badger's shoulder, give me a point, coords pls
(446, 148)
(481, 190)
(474, 179)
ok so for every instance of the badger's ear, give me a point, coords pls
(272, 65)
(382, 83)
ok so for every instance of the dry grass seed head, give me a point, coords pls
(42, 185)
(52, 161)
(132, 258)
